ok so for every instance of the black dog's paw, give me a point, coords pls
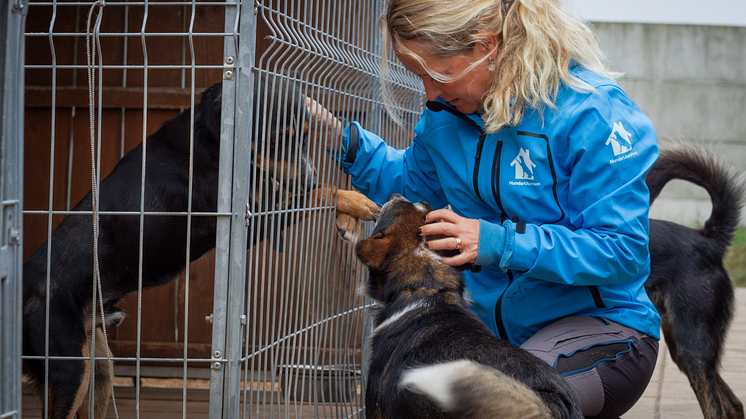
(349, 228)
(356, 205)
(353, 208)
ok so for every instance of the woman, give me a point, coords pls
(542, 158)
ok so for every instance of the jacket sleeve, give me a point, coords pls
(610, 147)
(378, 170)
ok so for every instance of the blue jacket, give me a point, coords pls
(561, 199)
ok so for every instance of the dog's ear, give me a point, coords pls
(207, 115)
(280, 108)
(374, 250)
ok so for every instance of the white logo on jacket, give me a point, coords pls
(524, 167)
(618, 133)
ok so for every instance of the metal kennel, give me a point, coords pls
(275, 331)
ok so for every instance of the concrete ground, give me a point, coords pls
(669, 395)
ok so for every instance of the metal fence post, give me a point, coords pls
(223, 239)
(12, 22)
(230, 269)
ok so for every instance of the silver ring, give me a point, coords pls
(458, 243)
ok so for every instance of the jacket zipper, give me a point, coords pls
(477, 161)
(496, 181)
(437, 107)
(501, 330)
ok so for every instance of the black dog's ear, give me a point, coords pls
(374, 250)
(208, 111)
(280, 107)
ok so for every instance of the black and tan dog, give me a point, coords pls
(688, 283)
(424, 325)
(280, 137)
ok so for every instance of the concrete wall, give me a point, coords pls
(691, 82)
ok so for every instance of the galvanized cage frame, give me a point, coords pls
(12, 17)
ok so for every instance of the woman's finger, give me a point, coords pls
(447, 243)
(460, 259)
(442, 215)
(461, 234)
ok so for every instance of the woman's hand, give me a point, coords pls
(325, 127)
(463, 235)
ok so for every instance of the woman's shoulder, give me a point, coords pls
(595, 91)
(591, 78)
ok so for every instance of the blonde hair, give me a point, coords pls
(537, 40)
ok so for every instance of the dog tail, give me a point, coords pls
(470, 390)
(701, 167)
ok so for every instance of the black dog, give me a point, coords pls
(425, 324)
(689, 284)
(281, 161)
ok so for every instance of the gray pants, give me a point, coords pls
(607, 365)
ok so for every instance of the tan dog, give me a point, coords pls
(431, 357)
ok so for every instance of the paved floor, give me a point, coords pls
(669, 395)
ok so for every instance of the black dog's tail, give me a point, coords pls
(701, 167)
(470, 390)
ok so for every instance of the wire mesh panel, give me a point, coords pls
(173, 173)
(307, 325)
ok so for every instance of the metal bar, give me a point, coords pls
(127, 3)
(120, 358)
(96, 52)
(166, 214)
(45, 408)
(12, 21)
(146, 69)
(223, 229)
(189, 209)
(127, 34)
(246, 45)
(122, 67)
(243, 47)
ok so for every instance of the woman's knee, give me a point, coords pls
(616, 381)
(626, 379)
(607, 365)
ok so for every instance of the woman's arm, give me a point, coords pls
(377, 169)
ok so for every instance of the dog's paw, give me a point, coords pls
(356, 205)
(348, 227)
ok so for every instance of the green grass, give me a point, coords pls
(735, 258)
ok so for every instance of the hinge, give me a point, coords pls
(20, 5)
(229, 67)
(217, 360)
(14, 239)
